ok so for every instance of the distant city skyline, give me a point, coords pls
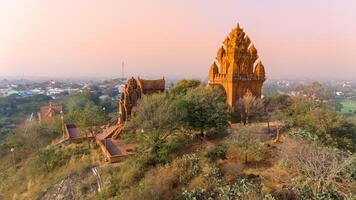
(176, 39)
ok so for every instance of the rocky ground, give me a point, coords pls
(74, 186)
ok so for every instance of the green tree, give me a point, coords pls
(314, 91)
(84, 111)
(206, 109)
(40, 134)
(6, 124)
(275, 106)
(330, 127)
(13, 141)
(249, 141)
(183, 86)
(276, 101)
(79, 101)
(298, 109)
(157, 117)
(337, 105)
(48, 160)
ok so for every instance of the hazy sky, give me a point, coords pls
(174, 38)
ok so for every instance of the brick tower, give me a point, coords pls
(236, 71)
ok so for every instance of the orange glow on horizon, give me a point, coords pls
(173, 38)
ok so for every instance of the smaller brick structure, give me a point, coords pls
(114, 149)
(133, 91)
(47, 113)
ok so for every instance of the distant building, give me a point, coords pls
(11, 92)
(37, 91)
(54, 91)
(104, 97)
(25, 94)
(48, 112)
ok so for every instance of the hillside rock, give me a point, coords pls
(72, 187)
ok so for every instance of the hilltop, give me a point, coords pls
(233, 161)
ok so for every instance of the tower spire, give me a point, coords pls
(122, 69)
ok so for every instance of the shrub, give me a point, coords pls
(212, 176)
(249, 143)
(111, 186)
(196, 195)
(165, 149)
(305, 191)
(321, 169)
(323, 123)
(178, 143)
(157, 183)
(218, 153)
(133, 169)
(50, 159)
(209, 177)
(302, 134)
(13, 141)
(189, 165)
(268, 197)
(160, 183)
(241, 189)
(259, 152)
(285, 163)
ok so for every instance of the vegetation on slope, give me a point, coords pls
(37, 162)
(244, 162)
(289, 148)
(14, 109)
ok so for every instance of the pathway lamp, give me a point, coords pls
(13, 157)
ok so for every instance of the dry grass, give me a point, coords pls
(231, 170)
(161, 182)
(30, 184)
(131, 170)
(197, 183)
(135, 180)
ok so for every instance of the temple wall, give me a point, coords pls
(134, 90)
(235, 90)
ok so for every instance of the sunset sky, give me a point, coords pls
(174, 38)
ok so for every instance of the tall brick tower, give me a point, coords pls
(236, 70)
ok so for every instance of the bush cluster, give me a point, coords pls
(50, 159)
(189, 164)
(241, 189)
(218, 153)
